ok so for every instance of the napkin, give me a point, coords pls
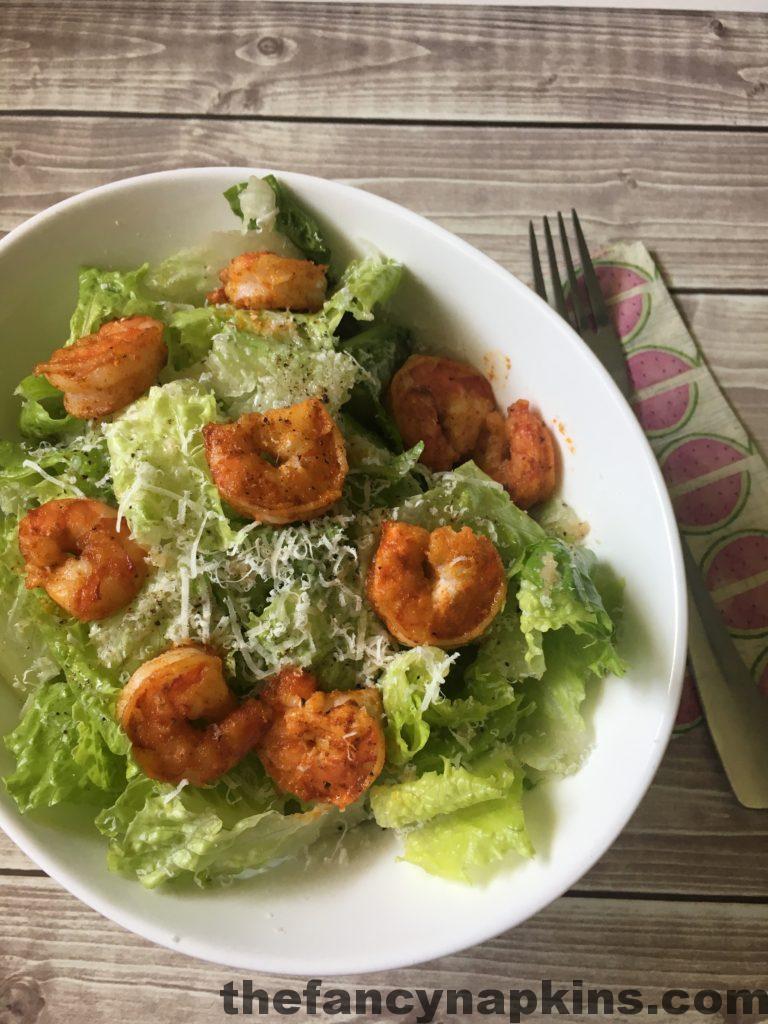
(717, 479)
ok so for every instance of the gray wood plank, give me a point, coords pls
(62, 962)
(11, 857)
(700, 199)
(732, 331)
(411, 62)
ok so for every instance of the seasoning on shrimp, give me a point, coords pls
(321, 747)
(74, 549)
(101, 373)
(183, 720)
(519, 452)
(442, 588)
(443, 403)
(263, 280)
(282, 466)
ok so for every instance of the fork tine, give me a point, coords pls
(596, 301)
(538, 277)
(577, 303)
(554, 273)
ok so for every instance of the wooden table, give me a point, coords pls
(655, 126)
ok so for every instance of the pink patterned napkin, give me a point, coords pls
(716, 477)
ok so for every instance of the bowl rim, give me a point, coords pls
(13, 823)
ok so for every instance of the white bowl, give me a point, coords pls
(377, 913)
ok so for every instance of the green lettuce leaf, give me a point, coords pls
(467, 497)
(409, 684)
(108, 294)
(558, 519)
(556, 590)
(252, 373)
(160, 473)
(253, 204)
(553, 736)
(31, 475)
(377, 478)
(67, 743)
(157, 833)
(464, 845)
(365, 284)
(42, 413)
(417, 800)
(191, 335)
(488, 682)
(380, 350)
(60, 751)
(297, 224)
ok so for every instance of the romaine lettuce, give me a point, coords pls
(464, 845)
(67, 741)
(466, 496)
(433, 793)
(157, 833)
(160, 474)
(252, 373)
(191, 335)
(267, 201)
(108, 294)
(254, 202)
(380, 350)
(365, 284)
(60, 752)
(42, 411)
(297, 224)
(556, 590)
(31, 475)
(409, 684)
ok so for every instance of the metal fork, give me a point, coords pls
(593, 323)
(737, 713)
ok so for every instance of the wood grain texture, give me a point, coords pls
(699, 199)
(732, 331)
(335, 61)
(84, 967)
(11, 857)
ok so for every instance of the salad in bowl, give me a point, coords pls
(277, 567)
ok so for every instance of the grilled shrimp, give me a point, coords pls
(282, 466)
(321, 747)
(519, 452)
(183, 720)
(444, 404)
(263, 280)
(442, 588)
(74, 549)
(103, 372)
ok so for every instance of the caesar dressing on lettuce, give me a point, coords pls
(467, 731)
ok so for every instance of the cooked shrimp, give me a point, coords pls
(519, 452)
(74, 549)
(442, 403)
(282, 466)
(103, 372)
(442, 588)
(263, 280)
(183, 720)
(321, 747)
